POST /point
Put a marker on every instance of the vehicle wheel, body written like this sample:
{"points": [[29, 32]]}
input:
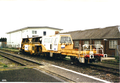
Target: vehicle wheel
{"points": [[45, 55], [86, 60], [21, 50], [73, 58], [97, 59], [31, 53], [40, 49], [62, 56], [55, 56]]}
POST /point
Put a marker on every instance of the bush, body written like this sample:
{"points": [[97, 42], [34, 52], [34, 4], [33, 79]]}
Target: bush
{"points": [[25, 67], [5, 66], [117, 58]]}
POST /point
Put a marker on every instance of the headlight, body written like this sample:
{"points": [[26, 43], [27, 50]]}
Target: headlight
{"points": [[91, 56]]}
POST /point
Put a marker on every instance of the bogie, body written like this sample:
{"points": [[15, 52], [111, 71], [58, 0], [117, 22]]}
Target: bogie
{"points": [[73, 58]]}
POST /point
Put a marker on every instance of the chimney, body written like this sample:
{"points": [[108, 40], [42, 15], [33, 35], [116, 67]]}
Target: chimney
{"points": [[56, 32]]}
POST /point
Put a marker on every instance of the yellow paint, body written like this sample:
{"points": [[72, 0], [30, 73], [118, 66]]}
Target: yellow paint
{"points": [[68, 50]]}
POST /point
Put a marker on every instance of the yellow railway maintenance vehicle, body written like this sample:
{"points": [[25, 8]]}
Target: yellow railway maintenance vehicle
{"points": [[60, 45]]}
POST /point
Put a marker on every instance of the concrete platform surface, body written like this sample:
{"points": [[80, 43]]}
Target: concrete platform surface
{"points": [[26, 75], [73, 75], [107, 58]]}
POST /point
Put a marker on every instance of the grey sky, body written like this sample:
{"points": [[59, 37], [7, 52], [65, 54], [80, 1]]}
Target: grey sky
{"points": [[69, 15]]}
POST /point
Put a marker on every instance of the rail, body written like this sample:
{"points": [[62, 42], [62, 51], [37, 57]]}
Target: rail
{"points": [[28, 62], [115, 71], [20, 60]]}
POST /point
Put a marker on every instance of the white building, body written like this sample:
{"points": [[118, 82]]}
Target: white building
{"points": [[14, 37]]}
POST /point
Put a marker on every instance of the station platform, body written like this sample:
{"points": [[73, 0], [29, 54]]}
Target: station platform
{"points": [[107, 58], [37, 75], [26, 75], [73, 75]]}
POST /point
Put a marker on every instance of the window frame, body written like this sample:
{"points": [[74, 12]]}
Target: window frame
{"points": [[96, 42], [65, 38], [113, 44], [76, 42], [44, 33], [87, 42], [34, 32]]}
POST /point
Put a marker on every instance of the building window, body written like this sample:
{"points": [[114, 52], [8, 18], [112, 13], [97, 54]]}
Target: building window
{"points": [[86, 42], [23, 31], [44, 33], [97, 42], [34, 32], [76, 43], [113, 44]]}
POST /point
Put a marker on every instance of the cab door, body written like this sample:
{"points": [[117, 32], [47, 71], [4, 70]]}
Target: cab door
{"points": [[48, 43], [55, 44]]}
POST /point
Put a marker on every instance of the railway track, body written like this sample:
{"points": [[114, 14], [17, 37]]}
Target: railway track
{"points": [[111, 70], [28, 62], [19, 60], [107, 69]]}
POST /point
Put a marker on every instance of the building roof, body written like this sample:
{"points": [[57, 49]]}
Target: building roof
{"points": [[33, 28], [98, 33]]}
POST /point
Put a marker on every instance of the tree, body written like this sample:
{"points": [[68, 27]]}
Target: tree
{"points": [[3, 39]]}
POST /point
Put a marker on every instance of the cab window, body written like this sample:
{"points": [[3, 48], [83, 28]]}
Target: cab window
{"points": [[65, 39]]}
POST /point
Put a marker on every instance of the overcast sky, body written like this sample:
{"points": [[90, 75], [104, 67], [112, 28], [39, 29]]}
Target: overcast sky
{"points": [[69, 15]]}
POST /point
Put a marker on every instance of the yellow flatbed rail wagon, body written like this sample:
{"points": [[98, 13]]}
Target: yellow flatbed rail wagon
{"points": [[60, 45]]}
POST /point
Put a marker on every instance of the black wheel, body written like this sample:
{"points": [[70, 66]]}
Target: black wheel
{"points": [[97, 59], [100, 59], [55, 56], [40, 49], [31, 53], [22, 51], [86, 61], [73, 58], [62, 56], [46, 55]]}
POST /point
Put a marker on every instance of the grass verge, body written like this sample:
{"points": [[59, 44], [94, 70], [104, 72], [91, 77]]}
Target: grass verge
{"points": [[10, 49]]}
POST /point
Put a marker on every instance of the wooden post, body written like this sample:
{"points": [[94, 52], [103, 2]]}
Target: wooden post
{"points": [[90, 47], [79, 49]]}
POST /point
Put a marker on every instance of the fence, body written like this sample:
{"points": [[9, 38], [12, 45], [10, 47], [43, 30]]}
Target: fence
{"points": [[117, 51], [0, 44], [3, 44], [13, 46]]}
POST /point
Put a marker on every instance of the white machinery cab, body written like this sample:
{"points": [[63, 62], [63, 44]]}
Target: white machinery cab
{"points": [[56, 41], [51, 42], [48, 42]]}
